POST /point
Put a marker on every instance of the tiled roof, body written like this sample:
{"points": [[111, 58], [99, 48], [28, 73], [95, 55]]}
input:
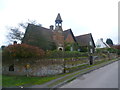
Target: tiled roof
{"points": [[39, 36], [67, 32], [43, 37], [84, 40]]}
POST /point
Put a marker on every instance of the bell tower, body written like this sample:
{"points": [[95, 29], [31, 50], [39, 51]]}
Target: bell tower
{"points": [[58, 33], [58, 21]]}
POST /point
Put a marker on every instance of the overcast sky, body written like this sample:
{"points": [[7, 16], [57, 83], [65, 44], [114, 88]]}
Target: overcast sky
{"points": [[99, 17]]}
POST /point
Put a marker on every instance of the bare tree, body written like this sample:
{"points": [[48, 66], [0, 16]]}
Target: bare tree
{"points": [[24, 25], [15, 33]]}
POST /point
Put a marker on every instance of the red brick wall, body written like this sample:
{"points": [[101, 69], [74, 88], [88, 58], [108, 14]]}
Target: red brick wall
{"points": [[58, 38], [69, 39]]}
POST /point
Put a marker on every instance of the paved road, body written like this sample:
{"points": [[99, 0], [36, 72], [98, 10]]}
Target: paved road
{"points": [[105, 77]]}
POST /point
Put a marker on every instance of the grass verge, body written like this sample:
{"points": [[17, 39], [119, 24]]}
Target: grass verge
{"points": [[9, 81], [75, 75]]}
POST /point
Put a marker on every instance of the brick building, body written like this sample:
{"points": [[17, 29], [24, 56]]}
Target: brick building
{"points": [[55, 38], [48, 39]]}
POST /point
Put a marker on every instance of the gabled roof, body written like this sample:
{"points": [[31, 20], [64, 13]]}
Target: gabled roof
{"points": [[106, 45], [101, 44], [67, 32], [38, 30], [38, 36], [84, 40]]}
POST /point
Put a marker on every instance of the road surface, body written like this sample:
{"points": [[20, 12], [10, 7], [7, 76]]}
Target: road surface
{"points": [[105, 77]]}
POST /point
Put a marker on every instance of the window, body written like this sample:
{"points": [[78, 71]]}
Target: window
{"points": [[60, 49], [11, 67]]}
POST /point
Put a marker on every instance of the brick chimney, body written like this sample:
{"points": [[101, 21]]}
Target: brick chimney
{"points": [[101, 39], [15, 42], [51, 27]]}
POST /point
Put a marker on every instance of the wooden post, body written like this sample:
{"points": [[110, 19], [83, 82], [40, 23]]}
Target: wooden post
{"points": [[64, 71]]}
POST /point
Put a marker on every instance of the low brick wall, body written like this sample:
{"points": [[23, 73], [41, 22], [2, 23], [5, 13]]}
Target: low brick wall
{"points": [[33, 71], [36, 71], [43, 67]]}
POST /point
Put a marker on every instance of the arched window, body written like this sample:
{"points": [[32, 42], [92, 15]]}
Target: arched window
{"points": [[60, 49], [11, 67]]}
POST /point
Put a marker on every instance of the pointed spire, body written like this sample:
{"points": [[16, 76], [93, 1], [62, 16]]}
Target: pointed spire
{"points": [[58, 19]]}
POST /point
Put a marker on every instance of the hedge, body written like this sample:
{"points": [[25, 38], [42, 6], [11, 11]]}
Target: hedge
{"points": [[65, 54]]}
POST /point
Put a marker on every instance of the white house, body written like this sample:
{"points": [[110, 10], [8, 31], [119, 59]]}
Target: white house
{"points": [[101, 44]]}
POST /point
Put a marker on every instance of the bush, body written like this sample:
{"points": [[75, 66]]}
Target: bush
{"points": [[106, 50], [112, 50], [22, 51], [83, 48], [118, 52], [54, 54], [117, 47], [64, 54], [102, 50]]}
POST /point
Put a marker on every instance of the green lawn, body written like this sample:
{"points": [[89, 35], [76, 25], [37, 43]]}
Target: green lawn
{"points": [[0, 80], [9, 81]]}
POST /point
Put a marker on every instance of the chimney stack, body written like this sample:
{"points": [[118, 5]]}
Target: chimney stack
{"points": [[51, 27], [101, 39], [15, 42]]}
